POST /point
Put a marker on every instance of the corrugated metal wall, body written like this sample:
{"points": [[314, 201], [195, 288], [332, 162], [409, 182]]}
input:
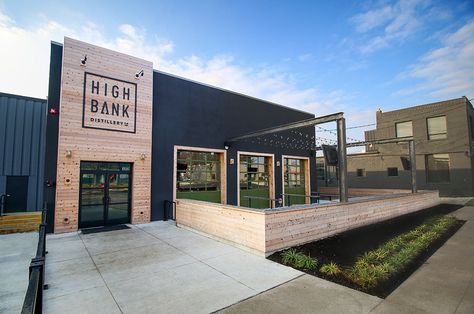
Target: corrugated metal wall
{"points": [[22, 143]]}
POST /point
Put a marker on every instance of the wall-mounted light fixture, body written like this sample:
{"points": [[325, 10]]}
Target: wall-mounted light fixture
{"points": [[226, 147], [137, 75], [84, 61], [68, 153], [142, 156], [278, 163], [231, 161]]}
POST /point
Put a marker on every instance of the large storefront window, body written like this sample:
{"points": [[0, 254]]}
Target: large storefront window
{"points": [[294, 181], [437, 168], [198, 176], [254, 181]]}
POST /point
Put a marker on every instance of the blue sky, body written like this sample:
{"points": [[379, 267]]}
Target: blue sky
{"points": [[318, 56]]}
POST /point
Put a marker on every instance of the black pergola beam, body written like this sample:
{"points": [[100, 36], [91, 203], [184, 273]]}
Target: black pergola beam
{"points": [[290, 126]]}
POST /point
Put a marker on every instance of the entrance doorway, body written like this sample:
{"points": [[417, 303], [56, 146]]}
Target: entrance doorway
{"points": [[105, 194]]}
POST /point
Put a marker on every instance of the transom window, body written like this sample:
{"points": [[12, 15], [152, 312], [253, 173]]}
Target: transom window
{"points": [[198, 176], [404, 129], [437, 128]]}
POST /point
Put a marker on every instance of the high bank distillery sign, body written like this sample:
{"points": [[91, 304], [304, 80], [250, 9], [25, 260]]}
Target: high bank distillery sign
{"points": [[109, 104]]}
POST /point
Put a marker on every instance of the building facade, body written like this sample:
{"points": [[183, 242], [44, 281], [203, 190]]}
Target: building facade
{"points": [[443, 134], [124, 141], [22, 145]]}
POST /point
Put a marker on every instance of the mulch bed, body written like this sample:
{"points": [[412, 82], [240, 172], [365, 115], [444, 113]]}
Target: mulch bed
{"points": [[345, 248]]}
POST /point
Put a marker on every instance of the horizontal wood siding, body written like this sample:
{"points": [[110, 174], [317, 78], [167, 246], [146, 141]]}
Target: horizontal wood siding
{"points": [[240, 226], [270, 231], [97, 144], [294, 227]]}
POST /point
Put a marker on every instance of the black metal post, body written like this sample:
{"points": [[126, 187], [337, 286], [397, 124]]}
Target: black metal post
{"points": [[342, 160], [411, 148]]}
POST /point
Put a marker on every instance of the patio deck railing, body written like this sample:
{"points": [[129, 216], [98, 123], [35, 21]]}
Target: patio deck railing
{"points": [[33, 302]]}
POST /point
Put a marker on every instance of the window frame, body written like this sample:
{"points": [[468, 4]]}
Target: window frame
{"points": [[428, 129], [388, 172], [223, 167], [305, 164], [271, 172], [363, 173], [401, 122], [427, 172]]}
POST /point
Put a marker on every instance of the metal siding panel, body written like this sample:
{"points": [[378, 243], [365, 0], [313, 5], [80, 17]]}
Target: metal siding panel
{"points": [[27, 137], [3, 131], [19, 133], [35, 140], [10, 136], [41, 156], [3, 184], [31, 199]]}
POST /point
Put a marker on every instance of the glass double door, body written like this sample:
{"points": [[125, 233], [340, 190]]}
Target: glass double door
{"points": [[105, 195]]}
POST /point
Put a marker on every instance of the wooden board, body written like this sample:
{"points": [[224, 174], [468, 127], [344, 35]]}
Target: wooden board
{"points": [[86, 144]]}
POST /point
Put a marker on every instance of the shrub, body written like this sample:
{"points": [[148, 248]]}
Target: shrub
{"points": [[330, 269], [299, 260]]}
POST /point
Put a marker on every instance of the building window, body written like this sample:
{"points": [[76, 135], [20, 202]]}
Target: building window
{"points": [[437, 168], [404, 129], [255, 178], [294, 181], [437, 128], [472, 126], [198, 176], [320, 169], [361, 173], [392, 172]]}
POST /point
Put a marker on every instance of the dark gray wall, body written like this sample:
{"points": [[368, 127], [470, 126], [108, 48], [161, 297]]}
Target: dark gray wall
{"points": [[22, 143], [186, 113]]}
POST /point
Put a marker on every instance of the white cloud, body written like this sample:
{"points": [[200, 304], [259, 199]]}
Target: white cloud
{"points": [[449, 70], [390, 23], [25, 66]]}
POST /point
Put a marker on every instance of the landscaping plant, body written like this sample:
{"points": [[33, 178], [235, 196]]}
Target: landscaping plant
{"points": [[331, 269], [393, 256], [298, 260]]}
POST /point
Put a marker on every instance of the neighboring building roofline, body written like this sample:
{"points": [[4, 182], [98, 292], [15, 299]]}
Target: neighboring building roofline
{"points": [[2, 94], [426, 105], [230, 91]]}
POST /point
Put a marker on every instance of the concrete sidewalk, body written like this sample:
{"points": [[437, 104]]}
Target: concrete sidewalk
{"points": [[152, 268], [16, 252], [444, 284]]}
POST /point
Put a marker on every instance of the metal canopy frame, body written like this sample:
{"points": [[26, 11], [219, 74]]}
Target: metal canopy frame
{"points": [[411, 152], [341, 143]]}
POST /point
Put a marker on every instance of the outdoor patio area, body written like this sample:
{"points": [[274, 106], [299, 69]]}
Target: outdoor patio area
{"points": [[152, 268]]}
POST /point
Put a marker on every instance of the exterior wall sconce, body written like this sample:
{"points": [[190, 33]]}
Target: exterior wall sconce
{"points": [[226, 147], [84, 61], [68, 154], [231, 161], [278, 163], [142, 156], [137, 75]]}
